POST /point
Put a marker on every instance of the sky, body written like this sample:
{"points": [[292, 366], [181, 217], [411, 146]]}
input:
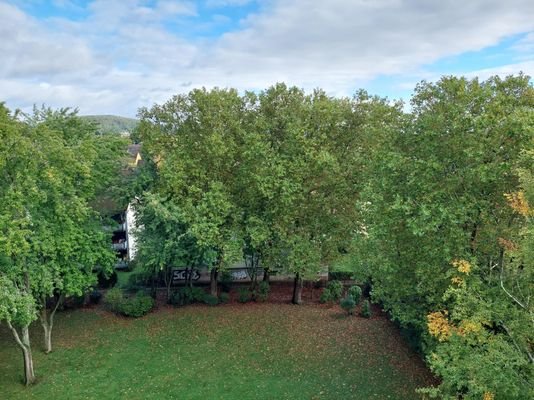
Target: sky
{"points": [[113, 57]]}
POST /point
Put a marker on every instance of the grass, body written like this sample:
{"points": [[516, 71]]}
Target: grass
{"points": [[252, 351]]}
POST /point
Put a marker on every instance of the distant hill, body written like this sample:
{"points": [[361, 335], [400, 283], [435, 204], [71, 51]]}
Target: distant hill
{"points": [[113, 123]]}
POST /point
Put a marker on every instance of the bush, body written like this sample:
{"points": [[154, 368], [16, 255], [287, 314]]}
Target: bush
{"points": [[197, 294], [244, 295], [107, 281], [366, 309], [325, 296], [72, 302], [226, 281], [187, 295], [137, 306], [211, 300], [348, 304], [336, 289], [263, 290], [114, 299], [178, 298], [224, 297], [137, 280], [95, 296], [355, 292], [332, 292]]}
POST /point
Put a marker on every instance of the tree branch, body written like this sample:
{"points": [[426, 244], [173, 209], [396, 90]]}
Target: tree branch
{"points": [[16, 334]]}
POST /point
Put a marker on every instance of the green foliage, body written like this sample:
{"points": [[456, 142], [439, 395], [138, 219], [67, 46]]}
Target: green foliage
{"points": [[366, 309], [187, 295], [262, 292], [340, 275], [193, 139], [137, 281], [165, 242], [137, 306], [224, 297], [53, 167], [332, 292], [17, 307], [210, 299], [95, 296], [355, 292], [443, 182], [244, 295], [179, 298], [226, 281], [325, 296], [131, 306], [197, 293], [114, 299], [348, 304]]}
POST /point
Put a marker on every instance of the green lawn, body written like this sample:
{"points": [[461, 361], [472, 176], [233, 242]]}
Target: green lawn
{"points": [[252, 351]]}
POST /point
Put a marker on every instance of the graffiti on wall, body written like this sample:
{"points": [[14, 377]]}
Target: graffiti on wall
{"points": [[181, 275], [243, 274], [239, 275]]}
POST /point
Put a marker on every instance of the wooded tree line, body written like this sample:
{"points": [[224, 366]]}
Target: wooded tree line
{"points": [[431, 206], [430, 203]]}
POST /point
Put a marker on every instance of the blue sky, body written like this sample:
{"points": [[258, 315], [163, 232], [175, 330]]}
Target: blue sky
{"points": [[112, 57]]}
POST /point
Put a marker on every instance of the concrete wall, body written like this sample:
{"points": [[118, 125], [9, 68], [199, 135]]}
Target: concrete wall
{"points": [[131, 227]]}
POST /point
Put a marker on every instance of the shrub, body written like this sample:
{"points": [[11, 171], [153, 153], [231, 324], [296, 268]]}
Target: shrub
{"points": [[197, 294], [95, 296], [348, 304], [226, 281], [137, 280], [178, 298], [366, 309], [114, 299], [211, 300], [263, 290], [224, 297], [244, 295], [187, 295], [72, 302], [107, 281], [336, 289], [355, 292], [137, 306], [325, 296], [332, 292]]}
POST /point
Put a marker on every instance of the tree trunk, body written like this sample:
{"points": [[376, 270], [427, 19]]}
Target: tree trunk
{"points": [[29, 374], [48, 339], [214, 274], [266, 276], [297, 290], [189, 277], [168, 283], [153, 286], [24, 344], [47, 321]]}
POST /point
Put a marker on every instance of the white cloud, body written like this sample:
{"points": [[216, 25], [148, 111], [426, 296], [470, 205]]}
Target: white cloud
{"points": [[29, 51], [227, 3], [503, 71], [122, 56]]}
